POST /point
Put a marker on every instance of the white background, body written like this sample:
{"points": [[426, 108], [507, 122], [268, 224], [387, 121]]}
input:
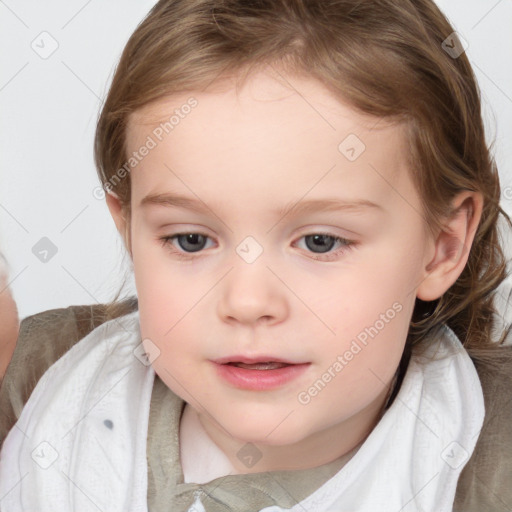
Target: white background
{"points": [[49, 109]]}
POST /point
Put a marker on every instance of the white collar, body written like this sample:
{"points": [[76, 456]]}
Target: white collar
{"points": [[412, 459]]}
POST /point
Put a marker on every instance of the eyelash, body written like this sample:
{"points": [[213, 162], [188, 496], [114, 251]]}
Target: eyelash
{"points": [[330, 256]]}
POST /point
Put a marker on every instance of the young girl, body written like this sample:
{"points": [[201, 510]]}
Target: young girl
{"points": [[330, 343]]}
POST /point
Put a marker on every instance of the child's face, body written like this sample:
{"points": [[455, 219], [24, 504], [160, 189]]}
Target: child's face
{"points": [[259, 285]]}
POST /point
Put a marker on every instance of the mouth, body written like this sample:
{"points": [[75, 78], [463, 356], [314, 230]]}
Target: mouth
{"points": [[268, 365], [258, 373], [260, 359]]}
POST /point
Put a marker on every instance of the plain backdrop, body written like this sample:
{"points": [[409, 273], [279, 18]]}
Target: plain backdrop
{"points": [[57, 62]]}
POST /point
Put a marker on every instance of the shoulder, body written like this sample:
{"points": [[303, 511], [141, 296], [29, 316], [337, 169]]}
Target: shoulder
{"points": [[484, 483], [43, 339]]}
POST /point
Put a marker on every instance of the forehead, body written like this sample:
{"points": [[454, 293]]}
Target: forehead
{"points": [[291, 132], [267, 92]]}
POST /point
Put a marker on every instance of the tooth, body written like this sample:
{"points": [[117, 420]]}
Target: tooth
{"points": [[261, 366]]}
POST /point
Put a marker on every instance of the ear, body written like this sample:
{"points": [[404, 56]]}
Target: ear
{"points": [[121, 219], [452, 246]]}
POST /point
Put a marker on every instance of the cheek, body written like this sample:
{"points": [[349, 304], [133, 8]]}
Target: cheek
{"points": [[166, 304], [356, 367], [375, 296], [169, 305], [162, 293], [371, 322]]}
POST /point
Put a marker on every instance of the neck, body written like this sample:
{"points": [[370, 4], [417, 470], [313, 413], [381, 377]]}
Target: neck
{"points": [[315, 450]]}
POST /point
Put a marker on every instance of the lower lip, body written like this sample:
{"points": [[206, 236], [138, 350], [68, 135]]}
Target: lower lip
{"points": [[259, 380]]}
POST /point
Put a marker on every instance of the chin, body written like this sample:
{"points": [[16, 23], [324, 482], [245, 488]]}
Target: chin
{"points": [[265, 433]]}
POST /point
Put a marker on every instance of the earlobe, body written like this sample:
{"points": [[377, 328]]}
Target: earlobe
{"points": [[452, 246]]}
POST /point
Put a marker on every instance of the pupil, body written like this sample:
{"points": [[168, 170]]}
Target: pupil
{"points": [[193, 239], [318, 239]]}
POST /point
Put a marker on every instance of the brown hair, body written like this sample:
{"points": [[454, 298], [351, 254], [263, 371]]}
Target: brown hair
{"points": [[385, 58]]}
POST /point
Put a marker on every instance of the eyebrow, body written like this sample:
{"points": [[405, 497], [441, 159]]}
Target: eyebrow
{"points": [[298, 207]]}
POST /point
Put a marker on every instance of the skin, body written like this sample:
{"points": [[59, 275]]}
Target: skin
{"points": [[245, 155], [9, 326]]}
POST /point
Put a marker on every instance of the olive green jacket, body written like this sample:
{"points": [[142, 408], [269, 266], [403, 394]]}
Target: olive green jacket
{"points": [[484, 484]]}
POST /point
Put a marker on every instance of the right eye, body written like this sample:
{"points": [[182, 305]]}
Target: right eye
{"points": [[188, 242]]}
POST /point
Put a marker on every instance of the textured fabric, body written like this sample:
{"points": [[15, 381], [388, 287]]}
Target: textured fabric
{"points": [[80, 441], [229, 493], [98, 421], [483, 484], [42, 340], [87, 421]]}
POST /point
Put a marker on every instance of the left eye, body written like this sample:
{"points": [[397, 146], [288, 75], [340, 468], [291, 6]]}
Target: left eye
{"points": [[324, 242], [190, 243]]}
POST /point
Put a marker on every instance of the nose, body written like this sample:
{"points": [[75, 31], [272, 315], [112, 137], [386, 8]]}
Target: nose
{"points": [[252, 294]]}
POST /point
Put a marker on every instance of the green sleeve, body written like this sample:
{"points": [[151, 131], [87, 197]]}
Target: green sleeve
{"points": [[42, 340], [484, 484]]}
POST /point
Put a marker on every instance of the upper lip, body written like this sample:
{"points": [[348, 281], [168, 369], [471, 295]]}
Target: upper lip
{"points": [[252, 360]]}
